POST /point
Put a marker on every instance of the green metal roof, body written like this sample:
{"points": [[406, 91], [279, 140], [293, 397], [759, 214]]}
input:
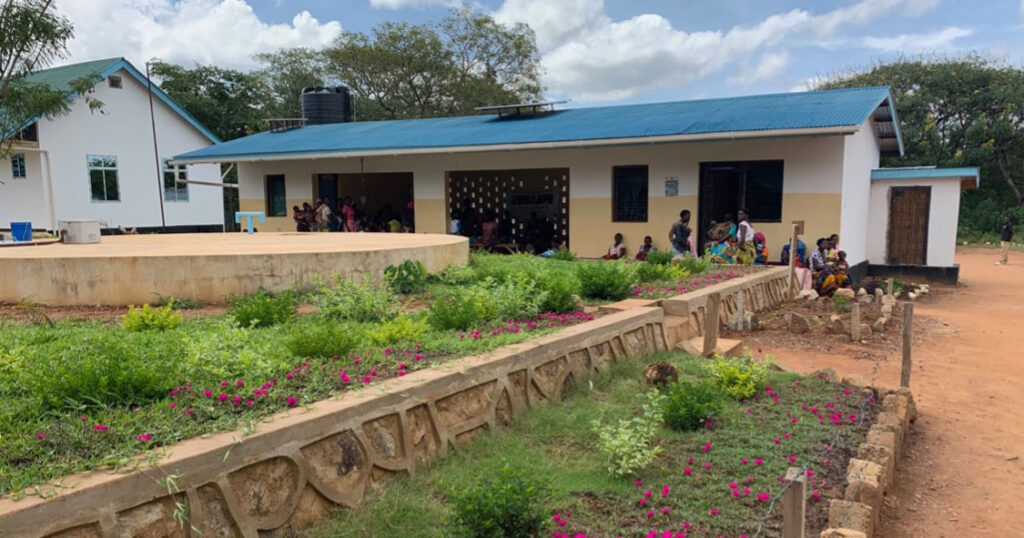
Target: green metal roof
{"points": [[60, 78], [786, 114]]}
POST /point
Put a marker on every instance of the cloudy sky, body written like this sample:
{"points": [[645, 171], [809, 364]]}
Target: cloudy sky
{"points": [[594, 51]]}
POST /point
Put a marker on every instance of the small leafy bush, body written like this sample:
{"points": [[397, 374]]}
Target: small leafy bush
{"points": [[262, 309], [348, 300], [841, 303], [627, 445], [461, 308], [508, 504], [149, 318], [564, 255], [407, 277], [225, 350], [181, 303], [321, 339], [659, 257], [688, 406], [739, 378], [456, 275], [694, 265], [398, 330], [458, 309], [608, 280], [562, 291]]}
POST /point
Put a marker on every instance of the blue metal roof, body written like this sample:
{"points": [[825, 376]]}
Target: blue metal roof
{"points": [[60, 78], [925, 172], [769, 114]]}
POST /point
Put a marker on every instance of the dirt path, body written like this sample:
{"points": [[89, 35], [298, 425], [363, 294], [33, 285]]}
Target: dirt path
{"points": [[963, 472]]}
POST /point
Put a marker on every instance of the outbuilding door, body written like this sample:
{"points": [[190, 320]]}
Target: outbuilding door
{"points": [[908, 225]]}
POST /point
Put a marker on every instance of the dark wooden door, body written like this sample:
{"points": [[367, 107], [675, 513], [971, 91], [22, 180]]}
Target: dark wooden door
{"points": [[721, 192], [908, 225]]}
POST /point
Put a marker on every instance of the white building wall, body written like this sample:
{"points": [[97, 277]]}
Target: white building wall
{"points": [[22, 199], [860, 157], [943, 215], [812, 183], [123, 129]]}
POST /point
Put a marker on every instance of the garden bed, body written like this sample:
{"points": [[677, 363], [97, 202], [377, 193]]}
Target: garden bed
{"points": [[721, 480]]}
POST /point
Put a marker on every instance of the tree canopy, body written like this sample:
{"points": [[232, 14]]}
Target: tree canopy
{"points": [[31, 37], [966, 111]]}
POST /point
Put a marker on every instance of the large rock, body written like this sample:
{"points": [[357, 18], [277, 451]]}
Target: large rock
{"points": [[809, 295], [886, 310], [798, 323], [888, 300], [879, 324], [862, 292], [851, 515], [845, 292], [836, 324], [659, 374], [842, 533]]}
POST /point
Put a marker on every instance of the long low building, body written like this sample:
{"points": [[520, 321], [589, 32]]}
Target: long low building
{"points": [[585, 174]]}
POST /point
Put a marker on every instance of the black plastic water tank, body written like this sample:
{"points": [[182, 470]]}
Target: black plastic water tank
{"points": [[321, 105]]}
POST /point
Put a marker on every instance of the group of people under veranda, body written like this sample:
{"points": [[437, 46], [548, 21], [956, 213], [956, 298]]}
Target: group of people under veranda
{"points": [[321, 217], [737, 242]]}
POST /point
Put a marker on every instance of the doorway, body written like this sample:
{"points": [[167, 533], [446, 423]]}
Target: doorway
{"points": [[721, 193], [909, 212], [327, 187]]}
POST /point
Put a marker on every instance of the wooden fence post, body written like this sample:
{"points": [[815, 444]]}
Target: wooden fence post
{"points": [[794, 289], [908, 336], [711, 324], [794, 504], [855, 321]]}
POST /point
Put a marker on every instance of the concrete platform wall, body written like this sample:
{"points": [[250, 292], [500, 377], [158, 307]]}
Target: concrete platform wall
{"points": [[757, 292]]}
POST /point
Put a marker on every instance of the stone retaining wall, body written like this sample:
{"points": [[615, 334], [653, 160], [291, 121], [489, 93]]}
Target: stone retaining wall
{"points": [[302, 464], [871, 473], [761, 290]]}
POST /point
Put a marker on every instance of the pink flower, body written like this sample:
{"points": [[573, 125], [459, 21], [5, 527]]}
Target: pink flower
{"points": [[743, 461], [40, 436], [787, 436], [690, 460], [99, 428], [763, 496], [291, 401], [224, 383], [288, 376], [190, 412], [735, 493], [236, 400], [345, 378], [239, 383], [401, 366], [208, 393], [144, 437], [746, 491], [792, 459], [733, 485], [642, 502], [650, 514], [401, 373], [222, 396], [373, 373], [706, 447], [707, 465], [816, 495], [688, 471], [172, 405], [810, 472], [758, 461], [367, 379], [777, 441], [638, 483], [665, 510], [647, 494], [556, 517], [713, 512], [664, 491], [750, 480], [249, 403], [418, 357], [357, 361]]}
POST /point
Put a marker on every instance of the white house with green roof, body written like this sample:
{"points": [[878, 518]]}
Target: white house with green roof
{"points": [[110, 164]]}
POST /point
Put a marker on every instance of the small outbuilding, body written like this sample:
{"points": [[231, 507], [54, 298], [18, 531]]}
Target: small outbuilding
{"points": [[913, 221]]}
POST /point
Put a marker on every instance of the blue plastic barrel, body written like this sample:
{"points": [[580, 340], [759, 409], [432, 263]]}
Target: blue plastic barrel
{"points": [[21, 231]]}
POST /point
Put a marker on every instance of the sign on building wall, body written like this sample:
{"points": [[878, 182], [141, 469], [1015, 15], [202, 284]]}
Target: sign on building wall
{"points": [[671, 186]]}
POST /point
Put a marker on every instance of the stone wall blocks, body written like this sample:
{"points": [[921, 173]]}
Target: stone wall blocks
{"points": [[851, 515]]}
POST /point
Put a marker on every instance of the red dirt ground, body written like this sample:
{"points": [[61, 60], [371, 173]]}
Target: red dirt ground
{"points": [[963, 472]]}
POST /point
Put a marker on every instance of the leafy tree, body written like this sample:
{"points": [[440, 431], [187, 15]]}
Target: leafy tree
{"points": [[287, 72], [31, 37], [228, 102], [464, 61], [966, 111]]}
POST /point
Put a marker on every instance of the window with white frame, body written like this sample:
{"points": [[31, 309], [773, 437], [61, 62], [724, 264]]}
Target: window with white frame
{"points": [[175, 188], [18, 166], [103, 178]]}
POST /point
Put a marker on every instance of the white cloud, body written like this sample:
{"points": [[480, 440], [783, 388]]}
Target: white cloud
{"points": [[588, 56], [1021, 10], [401, 4], [928, 42], [768, 66], [222, 32]]}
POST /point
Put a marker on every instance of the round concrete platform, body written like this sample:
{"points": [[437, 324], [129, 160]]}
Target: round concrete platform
{"points": [[136, 269]]}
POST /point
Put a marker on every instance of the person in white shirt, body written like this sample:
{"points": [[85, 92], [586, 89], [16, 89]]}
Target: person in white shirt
{"points": [[744, 231]]}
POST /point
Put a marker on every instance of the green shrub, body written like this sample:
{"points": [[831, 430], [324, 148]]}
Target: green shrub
{"points": [[627, 445], [224, 350], [180, 303], [456, 275], [348, 300], [659, 257], [461, 308], [688, 406], [606, 280], [458, 309], [507, 505], [562, 291], [398, 330], [321, 339], [148, 318], [841, 303], [407, 277], [739, 378], [262, 309], [694, 265], [100, 368], [564, 255]]}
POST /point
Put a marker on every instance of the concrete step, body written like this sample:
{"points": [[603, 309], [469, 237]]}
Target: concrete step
{"points": [[726, 347], [677, 329]]}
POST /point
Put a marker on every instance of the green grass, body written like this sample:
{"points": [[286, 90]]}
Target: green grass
{"points": [[556, 444]]}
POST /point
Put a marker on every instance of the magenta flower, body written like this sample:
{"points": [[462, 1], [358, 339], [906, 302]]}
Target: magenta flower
{"points": [[688, 471], [172, 405], [291, 401], [224, 383], [401, 373], [777, 441], [647, 494], [373, 373], [706, 447], [713, 512], [763, 496], [665, 510], [249, 403], [707, 465], [144, 437], [100, 428], [733, 485], [810, 472], [402, 366], [758, 461], [208, 393], [746, 491], [236, 400], [816, 495], [750, 479], [650, 514], [345, 378], [792, 459], [367, 379], [638, 483], [40, 436], [418, 357], [189, 412], [222, 396], [743, 461], [642, 502], [357, 361]]}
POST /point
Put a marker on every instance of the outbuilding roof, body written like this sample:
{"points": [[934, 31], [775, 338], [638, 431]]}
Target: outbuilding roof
{"points": [[60, 78], [969, 177], [840, 111]]}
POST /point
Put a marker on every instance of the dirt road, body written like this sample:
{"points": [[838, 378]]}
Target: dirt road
{"points": [[963, 472]]}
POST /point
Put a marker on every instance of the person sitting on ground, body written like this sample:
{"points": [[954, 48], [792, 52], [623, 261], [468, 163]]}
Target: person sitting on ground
{"points": [[833, 247], [646, 248], [720, 232], [556, 246], [617, 249], [681, 236], [841, 262], [744, 231], [760, 249], [817, 261]]}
